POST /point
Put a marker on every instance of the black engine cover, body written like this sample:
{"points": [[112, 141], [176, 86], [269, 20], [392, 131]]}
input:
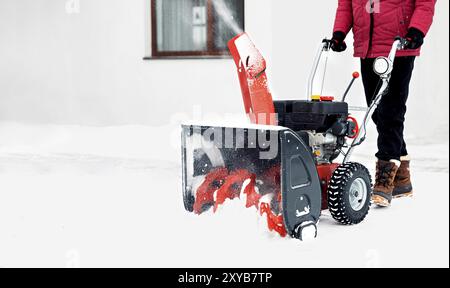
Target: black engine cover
{"points": [[300, 115]]}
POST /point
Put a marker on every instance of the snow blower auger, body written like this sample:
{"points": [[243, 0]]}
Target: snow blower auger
{"points": [[282, 165]]}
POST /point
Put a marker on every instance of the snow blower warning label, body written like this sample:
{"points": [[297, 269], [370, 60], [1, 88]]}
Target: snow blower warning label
{"points": [[223, 279]]}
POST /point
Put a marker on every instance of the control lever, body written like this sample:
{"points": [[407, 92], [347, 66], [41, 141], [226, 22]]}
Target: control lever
{"points": [[355, 76]]}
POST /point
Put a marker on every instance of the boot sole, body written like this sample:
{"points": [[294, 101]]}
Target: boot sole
{"points": [[380, 201], [404, 195]]}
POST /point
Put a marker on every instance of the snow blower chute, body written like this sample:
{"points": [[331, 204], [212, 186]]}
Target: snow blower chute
{"points": [[282, 162]]}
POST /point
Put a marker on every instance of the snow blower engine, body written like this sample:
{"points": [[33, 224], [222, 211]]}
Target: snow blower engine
{"points": [[282, 162]]}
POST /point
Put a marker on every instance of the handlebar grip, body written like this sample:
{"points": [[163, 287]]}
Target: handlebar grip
{"points": [[404, 42]]}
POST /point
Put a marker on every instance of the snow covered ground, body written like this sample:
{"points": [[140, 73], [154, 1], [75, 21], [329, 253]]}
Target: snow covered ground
{"points": [[111, 196]]}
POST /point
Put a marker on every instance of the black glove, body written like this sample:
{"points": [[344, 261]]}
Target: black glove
{"points": [[415, 38], [338, 44]]}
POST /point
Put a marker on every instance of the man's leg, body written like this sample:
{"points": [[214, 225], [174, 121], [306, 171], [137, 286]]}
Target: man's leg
{"points": [[370, 80], [402, 182], [404, 151], [392, 109], [389, 118]]}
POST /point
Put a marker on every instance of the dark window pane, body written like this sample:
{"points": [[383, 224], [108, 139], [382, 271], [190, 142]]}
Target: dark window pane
{"points": [[195, 27], [229, 21], [181, 25]]}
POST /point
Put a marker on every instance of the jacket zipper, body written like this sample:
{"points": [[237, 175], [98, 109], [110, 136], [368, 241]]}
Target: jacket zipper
{"points": [[372, 8]]}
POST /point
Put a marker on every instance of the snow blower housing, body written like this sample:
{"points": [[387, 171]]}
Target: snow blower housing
{"points": [[282, 163], [218, 170]]}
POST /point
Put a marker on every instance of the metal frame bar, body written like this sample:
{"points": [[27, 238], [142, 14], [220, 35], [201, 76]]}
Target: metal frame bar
{"points": [[385, 78]]}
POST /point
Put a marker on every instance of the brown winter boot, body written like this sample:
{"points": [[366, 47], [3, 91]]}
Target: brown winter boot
{"points": [[402, 182], [384, 182]]}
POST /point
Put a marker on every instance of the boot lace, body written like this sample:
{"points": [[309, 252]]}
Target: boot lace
{"points": [[384, 176]]}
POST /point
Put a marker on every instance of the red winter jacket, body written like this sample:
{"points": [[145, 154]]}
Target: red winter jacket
{"points": [[375, 33]]}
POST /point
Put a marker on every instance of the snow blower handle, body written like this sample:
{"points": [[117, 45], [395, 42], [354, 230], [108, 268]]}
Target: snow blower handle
{"points": [[382, 66], [324, 47], [400, 43], [403, 43], [327, 43]]}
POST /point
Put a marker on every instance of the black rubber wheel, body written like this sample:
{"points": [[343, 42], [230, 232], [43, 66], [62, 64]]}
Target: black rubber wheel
{"points": [[349, 193]]}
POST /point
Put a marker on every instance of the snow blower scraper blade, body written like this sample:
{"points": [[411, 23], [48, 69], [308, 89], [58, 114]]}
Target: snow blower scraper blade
{"points": [[268, 165]]}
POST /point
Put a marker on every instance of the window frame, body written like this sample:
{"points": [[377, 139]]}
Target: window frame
{"points": [[211, 52]]}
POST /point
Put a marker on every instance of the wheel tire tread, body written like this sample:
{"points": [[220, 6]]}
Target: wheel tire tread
{"points": [[336, 192]]}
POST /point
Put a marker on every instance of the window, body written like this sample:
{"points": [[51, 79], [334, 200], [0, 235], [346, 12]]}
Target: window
{"points": [[194, 28]]}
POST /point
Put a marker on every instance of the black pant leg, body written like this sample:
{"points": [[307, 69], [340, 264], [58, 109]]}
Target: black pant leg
{"points": [[389, 117], [404, 151], [370, 79]]}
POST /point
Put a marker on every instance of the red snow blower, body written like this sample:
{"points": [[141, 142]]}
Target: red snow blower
{"points": [[283, 162]]}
